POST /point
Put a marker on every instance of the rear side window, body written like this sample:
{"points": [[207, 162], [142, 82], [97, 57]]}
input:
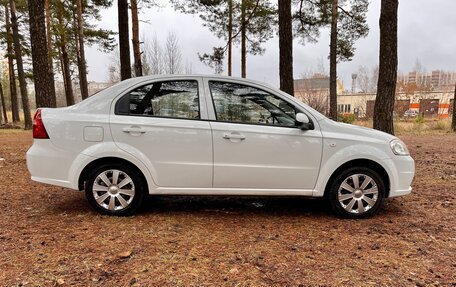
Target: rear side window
{"points": [[173, 99]]}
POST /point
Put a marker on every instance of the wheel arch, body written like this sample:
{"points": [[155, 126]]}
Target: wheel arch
{"points": [[109, 160], [362, 162]]}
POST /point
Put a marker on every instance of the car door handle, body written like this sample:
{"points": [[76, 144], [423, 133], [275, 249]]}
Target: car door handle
{"points": [[133, 130], [234, 136]]}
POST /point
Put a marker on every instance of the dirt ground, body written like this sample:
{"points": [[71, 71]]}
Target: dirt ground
{"points": [[49, 236]]}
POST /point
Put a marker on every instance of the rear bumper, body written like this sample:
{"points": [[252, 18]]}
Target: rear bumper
{"points": [[49, 164]]}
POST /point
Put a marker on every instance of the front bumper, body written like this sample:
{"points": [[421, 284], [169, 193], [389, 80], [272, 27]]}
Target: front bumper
{"points": [[401, 171]]}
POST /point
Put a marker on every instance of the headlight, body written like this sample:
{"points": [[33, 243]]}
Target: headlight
{"points": [[398, 147]]}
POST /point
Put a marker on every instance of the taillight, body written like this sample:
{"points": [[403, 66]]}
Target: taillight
{"points": [[39, 131]]}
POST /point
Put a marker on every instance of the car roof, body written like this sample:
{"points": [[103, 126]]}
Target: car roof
{"points": [[183, 76]]}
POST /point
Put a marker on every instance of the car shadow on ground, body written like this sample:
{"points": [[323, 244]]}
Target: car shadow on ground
{"points": [[199, 205], [236, 204]]}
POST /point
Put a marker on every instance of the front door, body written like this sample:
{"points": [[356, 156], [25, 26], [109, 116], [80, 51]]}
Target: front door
{"points": [[257, 144], [160, 122]]}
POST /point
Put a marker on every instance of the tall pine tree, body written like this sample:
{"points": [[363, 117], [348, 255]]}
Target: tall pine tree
{"points": [[387, 73], [43, 79]]}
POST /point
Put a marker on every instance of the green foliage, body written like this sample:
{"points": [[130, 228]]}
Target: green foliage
{"points": [[24, 37], [214, 60], [420, 119], [308, 17], [312, 15], [260, 19], [101, 37], [64, 27], [348, 119], [352, 25]]}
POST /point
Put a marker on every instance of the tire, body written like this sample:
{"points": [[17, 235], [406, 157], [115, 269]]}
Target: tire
{"points": [[115, 189], [349, 197]]}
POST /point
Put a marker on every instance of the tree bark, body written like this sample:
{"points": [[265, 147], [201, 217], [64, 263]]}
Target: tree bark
{"points": [[65, 64], [285, 47], [44, 81], [333, 63], [230, 35], [47, 12], [387, 77], [12, 75], [453, 120], [20, 67], [67, 74], [243, 40], [3, 111], [82, 68], [135, 40], [124, 42]]}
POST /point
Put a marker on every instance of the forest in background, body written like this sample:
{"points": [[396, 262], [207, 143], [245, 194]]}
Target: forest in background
{"points": [[48, 38]]}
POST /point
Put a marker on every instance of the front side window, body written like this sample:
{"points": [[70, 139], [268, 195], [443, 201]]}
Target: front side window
{"points": [[174, 99], [243, 104]]}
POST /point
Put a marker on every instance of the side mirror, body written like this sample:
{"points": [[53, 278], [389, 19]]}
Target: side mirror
{"points": [[302, 118], [304, 121]]}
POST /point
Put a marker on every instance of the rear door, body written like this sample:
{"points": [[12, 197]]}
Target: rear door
{"points": [[162, 123], [257, 144]]}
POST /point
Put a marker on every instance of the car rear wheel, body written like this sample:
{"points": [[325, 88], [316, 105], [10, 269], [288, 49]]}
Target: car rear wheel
{"points": [[356, 193], [115, 189]]}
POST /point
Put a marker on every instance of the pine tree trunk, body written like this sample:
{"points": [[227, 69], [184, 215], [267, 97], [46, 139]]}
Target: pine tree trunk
{"points": [[67, 74], [230, 35], [3, 111], [387, 74], [82, 68], [44, 81], [59, 51], [286, 47], [453, 120], [124, 42], [243, 40], [20, 67], [65, 64], [76, 46], [135, 40], [333, 63], [47, 12], [12, 75]]}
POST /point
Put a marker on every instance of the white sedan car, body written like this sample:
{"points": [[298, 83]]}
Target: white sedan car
{"points": [[210, 135]]}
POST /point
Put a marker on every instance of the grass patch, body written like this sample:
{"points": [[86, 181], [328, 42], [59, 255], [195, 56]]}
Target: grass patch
{"points": [[416, 126], [12, 131]]}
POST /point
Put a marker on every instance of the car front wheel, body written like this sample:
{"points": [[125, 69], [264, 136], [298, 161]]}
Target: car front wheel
{"points": [[356, 193], [115, 189]]}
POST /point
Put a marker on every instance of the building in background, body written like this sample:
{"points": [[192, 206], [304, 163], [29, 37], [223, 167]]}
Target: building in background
{"points": [[427, 94], [315, 91], [436, 80], [428, 104]]}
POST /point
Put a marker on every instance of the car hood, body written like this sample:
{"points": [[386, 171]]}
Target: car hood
{"points": [[332, 129]]}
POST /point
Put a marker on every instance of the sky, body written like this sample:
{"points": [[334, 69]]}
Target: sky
{"points": [[426, 34]]}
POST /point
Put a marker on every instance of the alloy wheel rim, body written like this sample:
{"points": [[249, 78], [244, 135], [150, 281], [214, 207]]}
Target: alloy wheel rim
{"points": [[357, 193], [113, 190]]}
